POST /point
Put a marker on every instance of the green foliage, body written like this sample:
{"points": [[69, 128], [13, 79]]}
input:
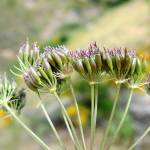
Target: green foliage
{"points": [[105, 105], [111, 3], [63, 34], [105, 101], [127, 129], [9, 3]]}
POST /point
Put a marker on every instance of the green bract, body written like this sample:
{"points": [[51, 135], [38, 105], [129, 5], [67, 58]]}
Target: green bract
{"points": [[10, 96]]}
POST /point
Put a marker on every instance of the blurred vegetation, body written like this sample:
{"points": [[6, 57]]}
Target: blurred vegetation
{"points": [[76, 23], [105, 103]]}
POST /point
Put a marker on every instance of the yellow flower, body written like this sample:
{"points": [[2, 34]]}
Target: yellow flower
{"points": [[5, 119], [84, 114], [145, 55]]}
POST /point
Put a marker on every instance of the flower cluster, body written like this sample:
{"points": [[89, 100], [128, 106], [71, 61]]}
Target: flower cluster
{"points": [[10, 96], [120, 63], [44, 70], [58, 59], [88, 62], [125, 65], [50, 69], [28, 56], [40, 77]]}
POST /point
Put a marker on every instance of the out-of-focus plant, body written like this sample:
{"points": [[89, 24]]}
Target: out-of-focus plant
{"points": [[12, 102], [48, 70], [63, 34], [111, 2], [147, 87]]}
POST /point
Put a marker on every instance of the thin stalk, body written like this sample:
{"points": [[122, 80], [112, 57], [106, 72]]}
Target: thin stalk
{"points": [[45, 146], [95, 108], [52, 125], [111, 118], [124, 116], [140, 139], [68, 127], [69, 130], [92, 116], [69, 121], [78, 115]]}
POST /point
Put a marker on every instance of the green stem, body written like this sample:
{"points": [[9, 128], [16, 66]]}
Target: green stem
{"points": [[123, 117], [78, 115], [140, 139], [45, 146], [77, 143], [52, 125], [111, 118], [92, 115], [69, 129], [95, 108]]}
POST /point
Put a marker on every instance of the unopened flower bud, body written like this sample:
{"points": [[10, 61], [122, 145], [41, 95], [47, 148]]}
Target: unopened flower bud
{"points": [[138, 67], [87, 66], [57, 60], [47, 68], [98, 61], [44, 76], [93, 65], [36, 50], [25, 51], [30, 83], [34, 75], [127, 64], [50, 60], [133, 66], [118, 64], [109, 61], [78, 66]]}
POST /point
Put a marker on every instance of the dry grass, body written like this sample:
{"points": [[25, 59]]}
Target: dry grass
{"points": [[127, 25]]}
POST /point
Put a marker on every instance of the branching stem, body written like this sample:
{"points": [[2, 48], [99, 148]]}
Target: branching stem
{"points": [[71, 127], [123, 117], [140, 139], [78, 114], [102, 147], [45, 146], [51, 124], [94, 101]]}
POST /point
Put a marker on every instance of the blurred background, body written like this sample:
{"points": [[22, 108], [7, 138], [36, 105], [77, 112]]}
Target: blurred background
{"points": [[75, 23]]}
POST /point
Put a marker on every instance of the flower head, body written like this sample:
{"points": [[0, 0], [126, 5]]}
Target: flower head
{"points": [[57, 58], [119, 62], [10, 96], [124, 65], [40, 77], [28, 56], [88, 62], [17, 102]]}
